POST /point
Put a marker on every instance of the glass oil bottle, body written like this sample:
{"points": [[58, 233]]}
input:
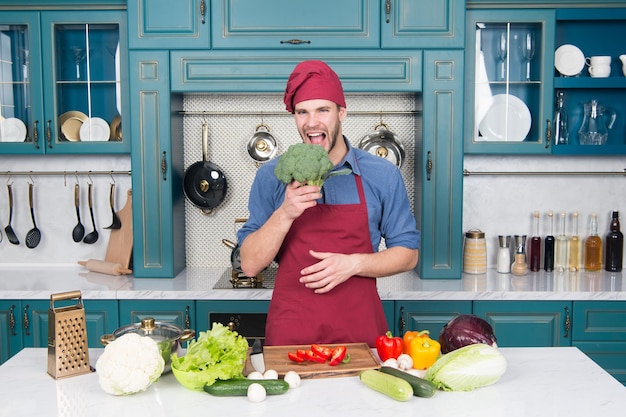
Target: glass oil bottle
{"points": [[548, 246], [561, 246], [561, 136], [574, 245], [535, 245], [614, 245], [593, 246]]}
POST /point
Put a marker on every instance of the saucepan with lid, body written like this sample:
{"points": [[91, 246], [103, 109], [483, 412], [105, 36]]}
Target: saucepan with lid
{"points": [[383, 143], [262, 145]]}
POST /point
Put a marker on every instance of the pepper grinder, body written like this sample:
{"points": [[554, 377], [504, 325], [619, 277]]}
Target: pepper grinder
{"points": [[504, 255], [520, 267]]}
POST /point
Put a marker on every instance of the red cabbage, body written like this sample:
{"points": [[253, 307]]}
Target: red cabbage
{"points": [[466, 329]]}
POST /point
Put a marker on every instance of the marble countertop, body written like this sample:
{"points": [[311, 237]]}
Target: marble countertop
{"points": [[538, 382], [39, 282]]}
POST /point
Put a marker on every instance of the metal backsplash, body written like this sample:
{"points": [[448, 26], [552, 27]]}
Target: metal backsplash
{"points": [[230, 131]]}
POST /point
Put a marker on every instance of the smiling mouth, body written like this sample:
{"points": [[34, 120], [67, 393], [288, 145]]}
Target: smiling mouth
{"points": [[316, 138]]}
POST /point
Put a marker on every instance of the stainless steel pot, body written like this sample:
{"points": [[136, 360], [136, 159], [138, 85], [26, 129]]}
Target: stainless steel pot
{"points": [[262, 144], [168, 336], [385, 144]]}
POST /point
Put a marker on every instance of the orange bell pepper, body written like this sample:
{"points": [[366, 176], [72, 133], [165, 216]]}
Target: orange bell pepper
{"points": [[409, 335], [423, 350]]}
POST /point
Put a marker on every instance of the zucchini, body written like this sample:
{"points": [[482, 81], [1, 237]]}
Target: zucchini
{"points": [[392, 386], [239, 387], [421, 387]]}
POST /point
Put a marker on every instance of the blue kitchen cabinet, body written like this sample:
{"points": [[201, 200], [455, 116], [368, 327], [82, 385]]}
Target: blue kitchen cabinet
{"points": [[179, 312], [62, 75], [441, 165], [528, 323], [157, 160], [428, 315], [422, 24], [290, 25], [164, 24], [599, 330]]}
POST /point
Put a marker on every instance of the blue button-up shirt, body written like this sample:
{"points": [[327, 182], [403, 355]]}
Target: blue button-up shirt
{"points": [[388, 206]]}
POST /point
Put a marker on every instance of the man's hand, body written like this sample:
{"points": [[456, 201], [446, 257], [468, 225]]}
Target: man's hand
{"points": [[299, 198], [330, 271]]}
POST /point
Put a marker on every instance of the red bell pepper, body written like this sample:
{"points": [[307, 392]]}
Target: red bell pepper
{"points": [[295, 357], [314, 357], [323, 351], [388, 346], [338, 356]]}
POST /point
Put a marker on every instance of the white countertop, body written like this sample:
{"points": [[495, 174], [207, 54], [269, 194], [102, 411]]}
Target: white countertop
{"points": [[39, 282], [541, 382]]}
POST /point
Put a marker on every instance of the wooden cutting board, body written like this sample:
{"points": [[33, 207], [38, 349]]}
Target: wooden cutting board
{"points": [[361, 358], [120, 246]]}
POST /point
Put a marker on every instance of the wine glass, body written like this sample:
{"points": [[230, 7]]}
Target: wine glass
{"points": [[79, 55], [528, 51], [502, 54]]}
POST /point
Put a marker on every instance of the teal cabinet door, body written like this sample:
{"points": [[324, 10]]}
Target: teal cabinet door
{"points": [[528, 323], [10, 329], [286, 24], [422, 24], [442, 165], [428, 315], [164, 24], [179, 312], [157, 160]]}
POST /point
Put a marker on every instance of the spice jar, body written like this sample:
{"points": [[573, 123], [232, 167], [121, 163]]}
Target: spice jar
{"points": [[475, 252]]}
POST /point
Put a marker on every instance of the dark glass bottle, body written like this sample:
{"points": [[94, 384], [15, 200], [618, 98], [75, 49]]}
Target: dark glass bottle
{"points": [[548, 253], [614, 245], [535, 245]]}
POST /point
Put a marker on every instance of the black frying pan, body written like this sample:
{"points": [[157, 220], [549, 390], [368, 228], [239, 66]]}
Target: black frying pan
{"points": [[204, 183]]}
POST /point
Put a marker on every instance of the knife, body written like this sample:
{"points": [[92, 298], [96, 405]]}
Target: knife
{"points": [[256, 357]]}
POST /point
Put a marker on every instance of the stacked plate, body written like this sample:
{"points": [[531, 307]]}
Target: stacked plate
{"points": [[78, 127], [569, 60], [70, 123], [12, 130], [95, 129]]}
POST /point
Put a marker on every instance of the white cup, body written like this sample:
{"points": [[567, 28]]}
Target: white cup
{"points": [[598, 60], [600, 71]]}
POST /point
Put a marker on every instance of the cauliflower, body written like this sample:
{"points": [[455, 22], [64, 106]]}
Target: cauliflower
{"points": [[129, 364], [305, 163]]}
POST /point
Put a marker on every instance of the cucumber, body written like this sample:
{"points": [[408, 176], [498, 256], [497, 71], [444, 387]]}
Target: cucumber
{"points": [[239, 387], [392, 386], [421, 387]]}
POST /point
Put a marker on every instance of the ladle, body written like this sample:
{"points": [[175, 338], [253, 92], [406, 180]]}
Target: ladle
{"points": [[93, 236], [9, 229], [79, 229], [33, 237], [116, 223]]}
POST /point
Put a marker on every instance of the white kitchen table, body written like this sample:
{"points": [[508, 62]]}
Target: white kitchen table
{"points": [[538, 382]]}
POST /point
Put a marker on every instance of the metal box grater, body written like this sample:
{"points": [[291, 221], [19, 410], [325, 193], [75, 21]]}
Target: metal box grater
{"points": [[68, 353]]}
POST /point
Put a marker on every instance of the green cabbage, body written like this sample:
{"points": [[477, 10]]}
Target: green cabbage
{"points": [[216, 354], [467, 368]]}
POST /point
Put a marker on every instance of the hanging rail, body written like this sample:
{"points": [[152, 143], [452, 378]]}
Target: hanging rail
{"points": [[467, 173], [285, 113], [64, 173]]}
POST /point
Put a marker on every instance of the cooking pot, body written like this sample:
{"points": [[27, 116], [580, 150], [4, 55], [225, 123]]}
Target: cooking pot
{"points": [[204, 183], [384, 143], [235, 257], [262, 145], [168, 336]]}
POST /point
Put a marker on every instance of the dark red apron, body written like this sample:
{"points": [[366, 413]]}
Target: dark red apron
{"points": [[350, 312]]}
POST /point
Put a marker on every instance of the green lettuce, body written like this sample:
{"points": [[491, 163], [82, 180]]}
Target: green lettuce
{"points": [[467, 368], [215, 354]]}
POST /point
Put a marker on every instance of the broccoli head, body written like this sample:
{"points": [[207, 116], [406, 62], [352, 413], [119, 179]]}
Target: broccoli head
{"points": [[305, 163]]}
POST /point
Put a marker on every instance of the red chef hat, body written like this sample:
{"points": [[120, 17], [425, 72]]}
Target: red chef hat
{"points": [[313, 80]]}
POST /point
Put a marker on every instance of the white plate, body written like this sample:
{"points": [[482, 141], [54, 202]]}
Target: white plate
{"points": [[95, 129], [12, 130], [569, 60], [508, 120]]}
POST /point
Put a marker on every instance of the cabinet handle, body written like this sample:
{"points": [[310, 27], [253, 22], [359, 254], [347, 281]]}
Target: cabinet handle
{"points": [[429, 166], [26, 321], [548, 133], [12, 320], [401, 321], [203, 11], [36, 134], [387, 10], [187, 319], [568, 323], [164, 166], [49, 133], [295, 41]]}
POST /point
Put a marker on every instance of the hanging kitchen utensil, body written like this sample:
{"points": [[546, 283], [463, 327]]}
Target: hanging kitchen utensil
{"points": [[204, 183], [262, 144], [93, 236], [116, 222], [384, 143], [33, 237], [9, 229], [79, 230]]}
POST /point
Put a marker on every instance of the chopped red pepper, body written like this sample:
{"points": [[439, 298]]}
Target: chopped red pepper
{"points": [[301, 353], [313, 357], [323, 351], [388, 346], [295, 357], [339, 354]]}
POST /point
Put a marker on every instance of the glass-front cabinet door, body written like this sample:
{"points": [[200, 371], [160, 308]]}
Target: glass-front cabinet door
{"points": [[508, 89], [61, 80]]}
